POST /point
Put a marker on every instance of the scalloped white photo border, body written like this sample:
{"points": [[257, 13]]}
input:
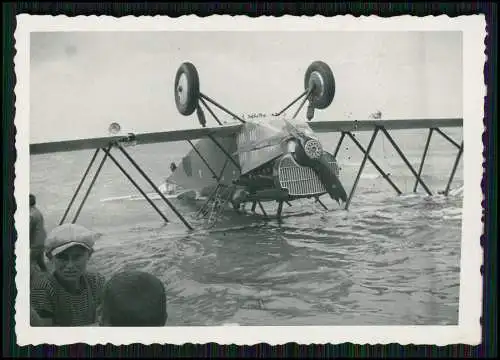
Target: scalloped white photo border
{"points": [[468, 330]]}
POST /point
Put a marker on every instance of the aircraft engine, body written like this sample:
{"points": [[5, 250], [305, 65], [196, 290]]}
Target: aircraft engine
{"points": [[313, 149], [309, 152]]}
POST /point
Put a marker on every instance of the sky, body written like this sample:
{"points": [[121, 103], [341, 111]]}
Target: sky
{"points": [[80, 82]]}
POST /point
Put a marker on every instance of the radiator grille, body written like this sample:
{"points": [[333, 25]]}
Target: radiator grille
{"points": [[300, 180]]}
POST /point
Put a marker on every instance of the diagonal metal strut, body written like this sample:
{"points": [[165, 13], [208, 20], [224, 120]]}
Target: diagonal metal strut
{"points": [[339, 144], [153, 185], [90, 186], [375, 132], [379, 169], [210, 111], [453, 171], [143, 193], [203, 159], [398, 150], [293, 102], [78, 188], [225, 152], [309, 91], [203, 96], [423, 158], [447, 137]]}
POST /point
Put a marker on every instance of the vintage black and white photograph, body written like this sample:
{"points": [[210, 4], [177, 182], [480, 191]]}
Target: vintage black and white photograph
{"points": [[249, 180]]}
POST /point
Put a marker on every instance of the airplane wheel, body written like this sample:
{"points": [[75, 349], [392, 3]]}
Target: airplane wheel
{"points": [[187, 89], [319, 75]]}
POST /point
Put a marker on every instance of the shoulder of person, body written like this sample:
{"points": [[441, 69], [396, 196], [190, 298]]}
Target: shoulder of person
{"points": [[42, 281], [36, 273], [36, 213]]}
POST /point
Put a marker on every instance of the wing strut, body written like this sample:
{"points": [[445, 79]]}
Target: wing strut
{"points": [[79, 185], [418, 175], [372, 140], [427, 142], [91, 186], [452, 175], [398, 150], [154, 187], [225, 152], [203, 159], [107, 153], [136, 185], [457, 159], [379, 169]]}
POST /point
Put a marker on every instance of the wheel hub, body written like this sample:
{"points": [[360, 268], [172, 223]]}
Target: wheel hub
{"points": [[183, 84], [317, 84]]}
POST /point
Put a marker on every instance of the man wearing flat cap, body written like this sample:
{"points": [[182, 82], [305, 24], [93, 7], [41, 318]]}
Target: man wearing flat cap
{"points": [[70, 296]]}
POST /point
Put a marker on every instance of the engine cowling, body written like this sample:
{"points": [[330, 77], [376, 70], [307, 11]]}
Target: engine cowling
{"points": [[308, 152]]}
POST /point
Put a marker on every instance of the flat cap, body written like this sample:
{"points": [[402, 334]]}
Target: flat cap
{"points": [[67, 235]]}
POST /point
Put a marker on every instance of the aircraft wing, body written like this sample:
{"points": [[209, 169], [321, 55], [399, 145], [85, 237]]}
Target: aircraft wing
{"points": [[141, 138], [368, 125]]}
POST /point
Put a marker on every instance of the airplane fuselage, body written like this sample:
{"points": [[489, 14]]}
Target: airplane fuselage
{"points": [[270, 173]]}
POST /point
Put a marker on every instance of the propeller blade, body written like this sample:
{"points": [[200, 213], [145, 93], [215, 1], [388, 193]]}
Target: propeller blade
{"points": [[329, 180]]}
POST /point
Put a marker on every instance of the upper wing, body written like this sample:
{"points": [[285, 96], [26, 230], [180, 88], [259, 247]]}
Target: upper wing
{"points": [[144, 138], [367, 125]]}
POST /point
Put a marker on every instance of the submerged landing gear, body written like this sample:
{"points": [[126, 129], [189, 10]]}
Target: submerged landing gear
{"points": [[280, 209]]}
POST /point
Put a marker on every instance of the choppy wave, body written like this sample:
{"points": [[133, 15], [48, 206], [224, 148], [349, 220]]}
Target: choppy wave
{"points": [[390, 262]]}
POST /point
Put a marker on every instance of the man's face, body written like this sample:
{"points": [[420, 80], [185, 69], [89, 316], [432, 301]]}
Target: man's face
{"points": [[71, 263]]}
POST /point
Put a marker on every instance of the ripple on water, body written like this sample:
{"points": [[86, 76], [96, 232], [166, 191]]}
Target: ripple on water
{"points": [[389, 260]]}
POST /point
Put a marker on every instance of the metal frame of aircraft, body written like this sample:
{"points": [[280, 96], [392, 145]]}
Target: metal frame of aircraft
{"points": [[258, 159]]}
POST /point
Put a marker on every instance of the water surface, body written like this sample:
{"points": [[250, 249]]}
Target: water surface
{"points": [[388, 260]]}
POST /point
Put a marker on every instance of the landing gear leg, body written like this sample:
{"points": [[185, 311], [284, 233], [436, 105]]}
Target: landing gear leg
{"points": [[321, 203], [262, 209], [280, 209]]}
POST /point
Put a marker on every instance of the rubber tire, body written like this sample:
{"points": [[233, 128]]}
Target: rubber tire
{"points": [[193, 90], [325, 99]]}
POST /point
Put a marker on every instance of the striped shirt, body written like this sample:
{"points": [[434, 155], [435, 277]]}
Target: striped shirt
{"points": [[80, 308]]}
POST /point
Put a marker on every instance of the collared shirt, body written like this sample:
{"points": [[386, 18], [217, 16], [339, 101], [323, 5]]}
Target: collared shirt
{"points": [[51, 300]]}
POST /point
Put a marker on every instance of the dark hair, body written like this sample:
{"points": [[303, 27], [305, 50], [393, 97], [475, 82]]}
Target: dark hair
{"points": [[134, 298], [32, 200]]}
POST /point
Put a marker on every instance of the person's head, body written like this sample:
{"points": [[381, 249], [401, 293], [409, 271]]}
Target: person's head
{"points": [[32, 200], [134, 298], [69, 247]]}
